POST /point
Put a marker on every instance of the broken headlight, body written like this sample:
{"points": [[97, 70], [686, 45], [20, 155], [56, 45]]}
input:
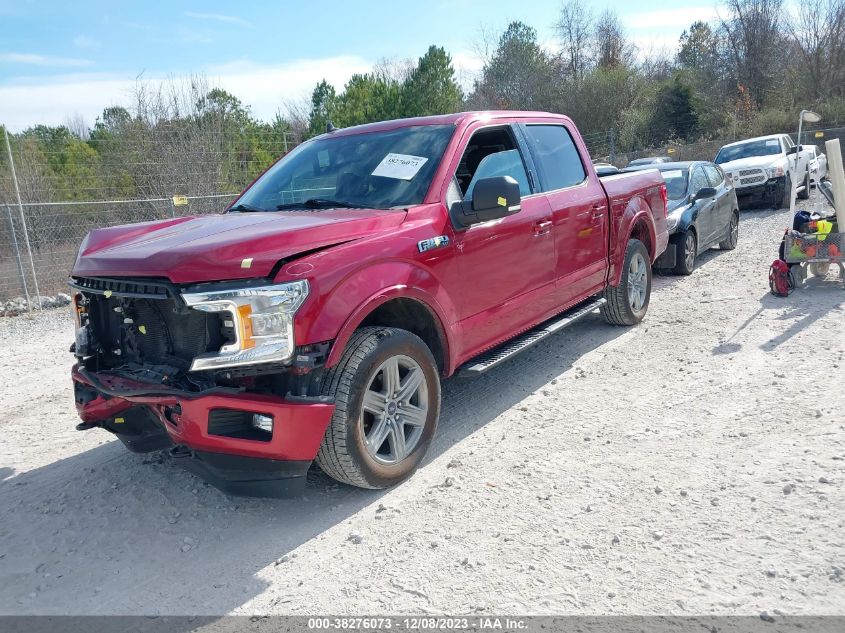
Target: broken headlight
{"points": [[262, 319]]}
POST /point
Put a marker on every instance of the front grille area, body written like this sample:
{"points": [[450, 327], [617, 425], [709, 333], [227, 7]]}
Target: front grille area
{"points": [[139, 322], [751, 177]]}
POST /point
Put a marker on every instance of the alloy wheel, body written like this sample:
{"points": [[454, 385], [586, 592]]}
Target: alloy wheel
{"points": [[395, 410], [637, 282]]}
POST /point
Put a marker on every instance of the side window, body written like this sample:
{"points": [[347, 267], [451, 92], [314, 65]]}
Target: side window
{"points": [[787, 141], [714, 175], [698, 180], [490, 153], [557, 156]]}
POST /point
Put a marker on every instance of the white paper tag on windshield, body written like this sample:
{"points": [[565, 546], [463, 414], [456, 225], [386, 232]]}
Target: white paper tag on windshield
{"points": [[674, 173], [399, 166], [772, 143]]}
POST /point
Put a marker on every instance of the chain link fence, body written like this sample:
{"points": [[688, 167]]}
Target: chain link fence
{"points": [[39, 241]]}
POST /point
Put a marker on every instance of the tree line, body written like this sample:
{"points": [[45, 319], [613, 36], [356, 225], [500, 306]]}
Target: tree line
{"points": [[749, 72]]}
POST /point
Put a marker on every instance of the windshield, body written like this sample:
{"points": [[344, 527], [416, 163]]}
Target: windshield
{"points": [[676, 183], [378, 170], [766, 147]]}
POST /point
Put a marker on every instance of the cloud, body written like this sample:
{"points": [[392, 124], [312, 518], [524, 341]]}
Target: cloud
{"points": [[43, 60], [665, 19], [265, 88], [85, 42], [218, 17]]}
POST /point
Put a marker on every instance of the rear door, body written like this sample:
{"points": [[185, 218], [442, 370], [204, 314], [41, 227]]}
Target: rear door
{"points": [[579, 209]]}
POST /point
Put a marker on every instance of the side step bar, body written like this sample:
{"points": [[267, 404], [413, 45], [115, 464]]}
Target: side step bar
{"points": [[509, 349]]}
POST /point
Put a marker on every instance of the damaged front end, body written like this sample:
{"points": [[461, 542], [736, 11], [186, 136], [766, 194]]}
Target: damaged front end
{"points": [[210, 372]]}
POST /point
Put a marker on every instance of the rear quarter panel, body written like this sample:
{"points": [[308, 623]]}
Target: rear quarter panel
{"points": [[637, 207]]}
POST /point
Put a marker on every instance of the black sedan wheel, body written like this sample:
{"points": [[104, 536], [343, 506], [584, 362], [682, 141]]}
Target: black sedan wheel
{"points": [[687, 248]]}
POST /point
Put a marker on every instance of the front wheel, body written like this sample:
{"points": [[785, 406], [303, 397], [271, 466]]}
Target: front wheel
{"points": [[687, 249], [804, 195], [627, 303], [386, 389], [786, 197]]}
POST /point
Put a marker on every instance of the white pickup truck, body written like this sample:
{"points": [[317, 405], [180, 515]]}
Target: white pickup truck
{"points": [[764, 168]]}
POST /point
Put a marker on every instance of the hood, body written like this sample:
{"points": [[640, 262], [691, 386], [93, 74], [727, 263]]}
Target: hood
{"points": [[221, 247], [751, 162]]}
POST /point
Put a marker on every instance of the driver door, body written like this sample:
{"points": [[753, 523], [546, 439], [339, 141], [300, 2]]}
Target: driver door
{"points": [[506, 266]]}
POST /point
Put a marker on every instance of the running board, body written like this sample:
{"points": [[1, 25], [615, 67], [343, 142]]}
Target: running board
{"points": [[509, 349]]}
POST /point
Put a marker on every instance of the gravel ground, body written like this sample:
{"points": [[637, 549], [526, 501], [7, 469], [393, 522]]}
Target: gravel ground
{"points": [[694, 464]]}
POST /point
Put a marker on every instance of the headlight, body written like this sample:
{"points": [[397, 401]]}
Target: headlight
{"points": [[672, 221], [262, 318], [775, 172]]}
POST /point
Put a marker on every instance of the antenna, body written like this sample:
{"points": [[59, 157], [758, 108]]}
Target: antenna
{"points": [[330, 127]]}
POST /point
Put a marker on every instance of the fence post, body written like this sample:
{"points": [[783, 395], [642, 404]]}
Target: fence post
{"points": [[612, 135], [17, 253], [23, 220]]}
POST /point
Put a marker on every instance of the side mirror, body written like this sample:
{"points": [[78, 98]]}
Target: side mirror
{"points": [[704, 193], [492, 198], [793, 150]]}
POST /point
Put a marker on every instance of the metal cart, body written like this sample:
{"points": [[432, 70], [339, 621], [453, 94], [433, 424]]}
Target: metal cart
{"points": [[814, 253]]}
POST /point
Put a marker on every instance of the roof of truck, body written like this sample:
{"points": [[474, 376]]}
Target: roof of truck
{"points": [[447, 119], [756, 138]]}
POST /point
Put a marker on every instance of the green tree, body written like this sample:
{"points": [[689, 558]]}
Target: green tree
{"points": [[323, 103], [431, 87], [518, 75]]}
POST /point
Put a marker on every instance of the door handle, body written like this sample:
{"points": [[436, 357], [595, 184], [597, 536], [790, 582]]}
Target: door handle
{"points": [[598, 212], [542, 228]]}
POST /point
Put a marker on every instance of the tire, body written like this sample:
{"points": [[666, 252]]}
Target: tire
{"points": [[730, 242], [368, 362], [805, 195], [786, 196], [686, 247], [818, 269], [623, 307]]}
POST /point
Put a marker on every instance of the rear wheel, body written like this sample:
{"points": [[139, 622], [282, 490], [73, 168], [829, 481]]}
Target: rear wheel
{"points": [[627, 303], [386, 389], [687, 249], [730, 242]]}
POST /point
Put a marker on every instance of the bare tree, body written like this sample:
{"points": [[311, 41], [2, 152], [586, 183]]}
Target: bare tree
{"points": [[818, 32], [575, 31], [754, 37], [613, 50]]}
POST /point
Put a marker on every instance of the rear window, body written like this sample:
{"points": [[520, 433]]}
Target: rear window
{"points": [[676, 183], [558, 158]]}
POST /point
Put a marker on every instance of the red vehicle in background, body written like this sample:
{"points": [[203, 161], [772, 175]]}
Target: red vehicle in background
{"points": [[315, 318]]}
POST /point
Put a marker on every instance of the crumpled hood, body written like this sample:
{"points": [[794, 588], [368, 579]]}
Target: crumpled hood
{"points": [[752, 162], [220, 247]]}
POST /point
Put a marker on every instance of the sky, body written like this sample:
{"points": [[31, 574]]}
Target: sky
{"points": [[61, 60]]}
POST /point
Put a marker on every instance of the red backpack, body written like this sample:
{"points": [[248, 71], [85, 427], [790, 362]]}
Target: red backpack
{"points": [[780, 281]]}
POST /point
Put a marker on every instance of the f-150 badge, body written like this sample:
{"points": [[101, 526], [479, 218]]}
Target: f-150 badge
{"points": [[434, 242]]}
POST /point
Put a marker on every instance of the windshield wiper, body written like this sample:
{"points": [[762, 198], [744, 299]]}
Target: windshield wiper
{"points": [[247, 207], [319, 203]]}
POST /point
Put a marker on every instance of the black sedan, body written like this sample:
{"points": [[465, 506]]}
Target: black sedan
{"points": [[703, 212]]}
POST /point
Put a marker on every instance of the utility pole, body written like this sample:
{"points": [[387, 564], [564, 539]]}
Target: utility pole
{"points": [[23, 220]]}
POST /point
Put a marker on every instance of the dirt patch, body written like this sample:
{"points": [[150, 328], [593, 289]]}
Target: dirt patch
{"points": [[693, 464]]}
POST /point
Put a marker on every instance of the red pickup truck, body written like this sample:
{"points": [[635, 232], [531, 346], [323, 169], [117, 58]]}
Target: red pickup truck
{"points": [[315, 318]]}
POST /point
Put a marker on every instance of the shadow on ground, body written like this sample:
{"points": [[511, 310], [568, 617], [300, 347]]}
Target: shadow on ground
{"points": [[117, 521]]}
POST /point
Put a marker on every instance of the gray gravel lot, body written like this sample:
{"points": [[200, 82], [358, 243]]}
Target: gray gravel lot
{"points": [[694, 464]]}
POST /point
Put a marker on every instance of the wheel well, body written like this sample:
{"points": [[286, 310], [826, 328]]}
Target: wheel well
{"points": [[415, 317], [640, 232]]}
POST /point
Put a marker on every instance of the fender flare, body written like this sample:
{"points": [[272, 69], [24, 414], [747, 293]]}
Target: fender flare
{"points": [[398, 291], [638, 211]]}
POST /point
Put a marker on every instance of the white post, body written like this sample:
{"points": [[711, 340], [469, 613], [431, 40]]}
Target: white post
{"points": [[23, 221], [836, 174]]}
